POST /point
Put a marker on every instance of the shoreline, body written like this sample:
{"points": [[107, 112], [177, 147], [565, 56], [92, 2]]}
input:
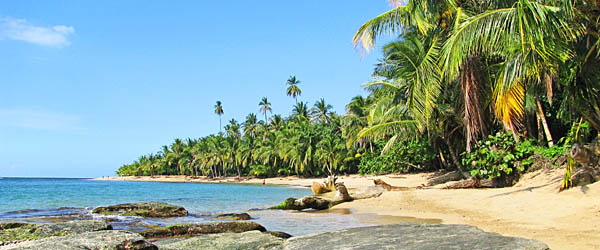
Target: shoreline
{"points": [[531, 209]]}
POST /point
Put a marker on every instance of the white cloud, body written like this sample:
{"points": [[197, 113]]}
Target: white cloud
{"points": [[36, 119], [21, 30]]}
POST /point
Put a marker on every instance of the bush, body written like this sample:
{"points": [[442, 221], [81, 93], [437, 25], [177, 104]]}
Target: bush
{"points": [[402, 157], [499, 157]]}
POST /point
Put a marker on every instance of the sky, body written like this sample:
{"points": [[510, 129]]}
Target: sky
{"points": [[87, 86]]}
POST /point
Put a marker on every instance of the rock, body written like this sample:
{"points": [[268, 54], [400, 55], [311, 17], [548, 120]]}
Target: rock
{"points": [[412, 236], [161, 232], [241, 216], [108, 239], [16, 232], [11, 225], [143, 209], [188, 230], [246, 240], [280, 234]]}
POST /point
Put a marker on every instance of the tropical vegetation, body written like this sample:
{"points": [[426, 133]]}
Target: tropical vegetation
{"points": [[478, 87]]}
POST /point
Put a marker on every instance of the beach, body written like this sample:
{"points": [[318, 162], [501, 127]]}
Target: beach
{"points": [[533, 208]]}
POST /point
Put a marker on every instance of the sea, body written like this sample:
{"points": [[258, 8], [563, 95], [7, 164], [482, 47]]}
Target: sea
{"points": [[46, 200]]}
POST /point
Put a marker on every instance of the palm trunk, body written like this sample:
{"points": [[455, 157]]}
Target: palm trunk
{"points": [[453, 155], [220, 124], [542, 117]]}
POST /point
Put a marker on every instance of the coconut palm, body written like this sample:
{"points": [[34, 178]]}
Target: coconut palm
{"points": [[293, 90], [219, 111], [321, 111], [265, 106], [300, 110]]}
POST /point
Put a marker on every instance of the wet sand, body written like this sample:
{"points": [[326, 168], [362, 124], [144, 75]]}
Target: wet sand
{"points": [[531, 209]]}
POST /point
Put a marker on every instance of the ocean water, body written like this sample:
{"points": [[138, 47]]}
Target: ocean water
{"points": [[46, 199]]}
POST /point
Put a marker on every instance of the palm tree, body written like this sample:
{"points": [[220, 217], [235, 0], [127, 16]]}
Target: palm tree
{"points": [[321, 111], [293, 90], [300, 110], [265, 106], [219, 111]]}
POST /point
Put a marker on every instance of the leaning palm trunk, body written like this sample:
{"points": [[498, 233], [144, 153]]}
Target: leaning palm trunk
{"points": [[542, 117], [473, 110]]}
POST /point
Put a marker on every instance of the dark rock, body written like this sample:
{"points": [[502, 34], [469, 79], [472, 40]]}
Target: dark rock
{"points": [[143, 209], [246, 240], [161, 232], [305, 202], [11, 225], [412, 236], [280, 234], [241, 216], [20, 231], [109, 239], [188, 230]]}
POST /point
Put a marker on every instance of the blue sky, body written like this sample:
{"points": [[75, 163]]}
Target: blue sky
{"points": [[88, 86]]}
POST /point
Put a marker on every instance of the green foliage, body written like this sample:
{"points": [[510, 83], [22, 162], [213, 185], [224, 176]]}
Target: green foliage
{"points": [[498, 156], [401, 157]]}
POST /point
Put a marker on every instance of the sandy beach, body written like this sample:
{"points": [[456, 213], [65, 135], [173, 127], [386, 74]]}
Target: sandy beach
{"points": [[531, 209]]}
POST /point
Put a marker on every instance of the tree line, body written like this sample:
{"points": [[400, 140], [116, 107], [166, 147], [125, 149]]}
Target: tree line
{"points": [[473, 86]]}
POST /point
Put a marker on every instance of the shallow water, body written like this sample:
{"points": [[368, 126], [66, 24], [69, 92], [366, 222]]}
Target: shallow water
{"points": [[51, 200]]}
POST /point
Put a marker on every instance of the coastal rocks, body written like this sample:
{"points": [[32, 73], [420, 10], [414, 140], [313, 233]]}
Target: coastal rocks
{"points": [[143, 209], [412, 236], [282, 235], [188, 230], [15, 232], [240, 216], [109, 239], [246, 240]]}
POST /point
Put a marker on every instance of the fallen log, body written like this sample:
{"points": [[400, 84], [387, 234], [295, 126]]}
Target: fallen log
{"points": [[320, 203]]}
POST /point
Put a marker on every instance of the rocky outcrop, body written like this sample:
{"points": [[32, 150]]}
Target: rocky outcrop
{"points": [[247, 240], [282, 235], [188, 230], [143, 209], [241, 216], [15, 232], [412, 236], [109, 239]]}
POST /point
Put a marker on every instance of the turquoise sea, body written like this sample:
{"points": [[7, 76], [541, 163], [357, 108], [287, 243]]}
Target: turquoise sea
{"points": [[49, 199]]}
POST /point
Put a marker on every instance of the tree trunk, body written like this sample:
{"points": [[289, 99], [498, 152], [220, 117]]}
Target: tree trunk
{"points": [[542, 117], [453, 156]]}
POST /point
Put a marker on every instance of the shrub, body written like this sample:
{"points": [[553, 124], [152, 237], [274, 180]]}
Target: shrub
{"points": [[499, 157], [402, 156]]}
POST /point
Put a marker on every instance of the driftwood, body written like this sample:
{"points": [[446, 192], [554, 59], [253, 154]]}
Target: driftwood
{"points": [[388, 187], [446, 177], [320, 203], [328, 185], [471, 183]]}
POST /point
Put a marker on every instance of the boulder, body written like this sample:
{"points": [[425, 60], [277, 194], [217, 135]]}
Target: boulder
{"points": [[108, 239], [241, 216], [143, 209], [15, 232], [246, 240], [188, 230], [412, 236]]}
